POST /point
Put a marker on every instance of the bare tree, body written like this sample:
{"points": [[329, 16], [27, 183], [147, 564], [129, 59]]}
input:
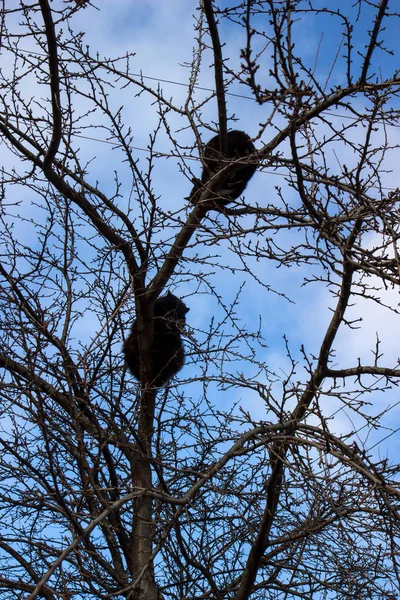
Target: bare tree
{"points": [[115, 489]]}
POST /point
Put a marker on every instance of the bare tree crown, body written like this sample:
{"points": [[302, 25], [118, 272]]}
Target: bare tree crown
{"points": [[267, 467]]}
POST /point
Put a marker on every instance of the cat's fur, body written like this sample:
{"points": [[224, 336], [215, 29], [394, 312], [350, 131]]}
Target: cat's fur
{"points": [[167, 353], [239, 146]]}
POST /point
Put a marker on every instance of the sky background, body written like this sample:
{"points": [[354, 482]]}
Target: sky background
{"points": [[162, 36]]}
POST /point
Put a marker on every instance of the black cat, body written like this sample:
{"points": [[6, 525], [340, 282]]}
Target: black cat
{"points": [[167, 352], [239, 146]]}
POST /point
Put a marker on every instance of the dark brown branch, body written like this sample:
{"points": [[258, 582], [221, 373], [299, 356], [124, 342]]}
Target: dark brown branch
{"points": [[79, 539], [367, 370], [279, 449], [326, 346], [373, 44], [300, 180], [218, 74], [110, 234], [46, 591], [41, 384], [178, 247], [260, 544], [54, 82], [194, 219], [143, 524], [84, 184]]}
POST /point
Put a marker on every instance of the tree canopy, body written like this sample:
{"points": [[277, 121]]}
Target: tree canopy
{"points": [[268, 467]]}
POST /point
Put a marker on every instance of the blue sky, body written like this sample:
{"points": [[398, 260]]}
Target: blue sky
{"points": [[162, 36]]}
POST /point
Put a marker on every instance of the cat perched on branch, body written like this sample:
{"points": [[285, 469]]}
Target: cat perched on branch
{"points": [[239, 145], [167, 352]]}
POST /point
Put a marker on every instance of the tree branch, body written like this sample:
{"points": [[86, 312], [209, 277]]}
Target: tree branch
{"points": [[218, 73], [54, 82], [115, 506]]}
